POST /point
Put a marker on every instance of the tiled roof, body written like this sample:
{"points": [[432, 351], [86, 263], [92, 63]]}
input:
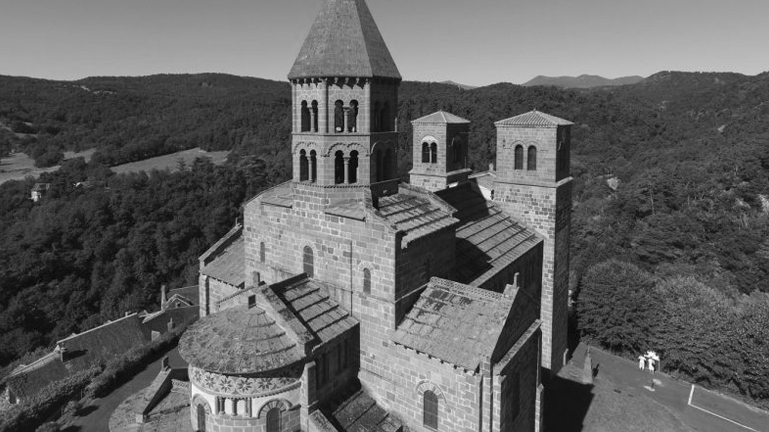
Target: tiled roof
{"points": [[238, 340], [229, 264], [456, 323], [440, 117], [190, 293], [310, 302], [534, 119], [485, 179], [361, 413], [487, 238], [344, 41], [416, 214], [105, 341]]}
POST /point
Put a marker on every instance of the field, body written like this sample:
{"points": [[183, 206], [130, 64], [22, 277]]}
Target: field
{"points": [[171, 161], [19, 165]]}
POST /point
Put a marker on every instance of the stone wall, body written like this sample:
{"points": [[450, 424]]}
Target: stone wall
{"points": [[516, 382]]}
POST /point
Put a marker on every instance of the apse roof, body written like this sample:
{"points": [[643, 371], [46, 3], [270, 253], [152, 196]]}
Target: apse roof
{"points": [[441, 117], [239, 340], [344, 41], [534, 119]]}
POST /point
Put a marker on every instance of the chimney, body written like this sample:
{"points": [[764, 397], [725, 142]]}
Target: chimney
{"points": [[63, 351], [171, 324], [491, 166], [162, 297]]}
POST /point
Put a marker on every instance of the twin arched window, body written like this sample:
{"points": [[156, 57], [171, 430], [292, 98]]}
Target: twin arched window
{"points": [[531, 160], [309, 117], [345, 118], [308, 167], [429, 152]]}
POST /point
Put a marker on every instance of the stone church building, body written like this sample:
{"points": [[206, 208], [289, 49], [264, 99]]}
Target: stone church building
{"points": [[347, 300]]}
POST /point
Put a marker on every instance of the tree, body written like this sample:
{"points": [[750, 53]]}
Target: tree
{"points": [[618, 307]]}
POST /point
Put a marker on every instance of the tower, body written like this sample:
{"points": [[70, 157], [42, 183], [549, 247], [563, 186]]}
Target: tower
{"points": [[344, 95], [534, 185], [439, 150]]}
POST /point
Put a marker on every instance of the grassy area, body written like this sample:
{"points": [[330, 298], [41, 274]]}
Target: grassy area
{"points": [[19, 165], [171, 161]]}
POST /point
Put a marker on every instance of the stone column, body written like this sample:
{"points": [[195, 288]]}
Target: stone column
{"points": [[346, 115], [312, 120], [347, 170]]}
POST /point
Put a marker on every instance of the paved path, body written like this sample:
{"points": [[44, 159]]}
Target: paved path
{"points": [[98, 419], [674, 395]]}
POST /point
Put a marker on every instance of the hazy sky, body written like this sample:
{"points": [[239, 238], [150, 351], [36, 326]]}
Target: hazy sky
{"points": [[475, 42]]}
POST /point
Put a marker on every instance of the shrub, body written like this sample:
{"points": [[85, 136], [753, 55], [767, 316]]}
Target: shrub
{"points": [[27, 416], [121, 368]]}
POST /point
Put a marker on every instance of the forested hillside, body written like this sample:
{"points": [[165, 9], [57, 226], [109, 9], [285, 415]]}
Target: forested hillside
{"points": [[686, 155]]}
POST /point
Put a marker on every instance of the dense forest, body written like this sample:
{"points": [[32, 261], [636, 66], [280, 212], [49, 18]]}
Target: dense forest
{"points": [[671, 178]]}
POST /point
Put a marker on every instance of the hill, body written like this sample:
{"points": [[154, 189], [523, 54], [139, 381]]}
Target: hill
{"points": [[687, 154], [582, 81]]}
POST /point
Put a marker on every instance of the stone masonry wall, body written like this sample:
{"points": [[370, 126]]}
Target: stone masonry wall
{"points": [[213, 291], [536, 207], [517, 381], [413, 373]]}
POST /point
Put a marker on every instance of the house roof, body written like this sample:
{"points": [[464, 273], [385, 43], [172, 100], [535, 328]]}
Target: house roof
{"points": [[344, 41], [309, 301], [487, 239], [441, 117], [454, 322], [83, 350], [228, 265], [189, 294], [238, 340], [534, 119], [416, 214]]}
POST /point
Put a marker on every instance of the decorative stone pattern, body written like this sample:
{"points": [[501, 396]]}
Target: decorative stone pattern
{"points": [[219, 384]]}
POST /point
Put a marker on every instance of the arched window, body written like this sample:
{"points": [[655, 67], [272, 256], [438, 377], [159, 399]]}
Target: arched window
{"points": [[433, 153], [384, 121], [314, 116], [305, 117], [531, 161], [387, 164], [201, 418], [378, 165], [518, 164], [352, 117], [430, 406], [261, 252], [352, 168], [367, 281], [308, 264], [273, 420], [457, 144], [425, 152], [376, 119], [313, 166], [339, 167], [304, 168], [338, 116]]}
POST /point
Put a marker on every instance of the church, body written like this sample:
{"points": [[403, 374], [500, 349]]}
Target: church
{"points": [[349, 300]]}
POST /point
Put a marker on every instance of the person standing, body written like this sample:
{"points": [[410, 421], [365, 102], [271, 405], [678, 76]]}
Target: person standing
{"points": [[641, 362]]}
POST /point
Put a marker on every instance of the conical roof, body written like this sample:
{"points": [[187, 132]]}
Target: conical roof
{"points": [[344, 41]]}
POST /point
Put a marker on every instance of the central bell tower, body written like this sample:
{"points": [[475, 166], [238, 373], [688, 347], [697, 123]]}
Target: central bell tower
{"points": [[344, 96]]}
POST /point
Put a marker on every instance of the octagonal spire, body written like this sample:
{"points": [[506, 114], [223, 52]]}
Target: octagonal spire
{"points": [[344, 41]]}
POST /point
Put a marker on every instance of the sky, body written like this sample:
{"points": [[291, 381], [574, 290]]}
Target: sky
{"points": [[474, 42]]}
